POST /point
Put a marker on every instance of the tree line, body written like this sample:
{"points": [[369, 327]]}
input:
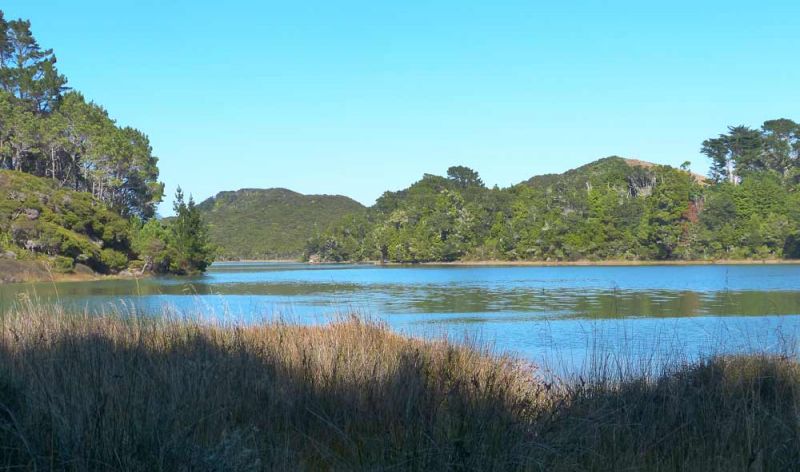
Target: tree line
{"points": [[614, 208]]}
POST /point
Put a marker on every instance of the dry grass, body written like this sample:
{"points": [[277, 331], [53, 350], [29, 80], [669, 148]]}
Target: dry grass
{"points": [[135, 393]]}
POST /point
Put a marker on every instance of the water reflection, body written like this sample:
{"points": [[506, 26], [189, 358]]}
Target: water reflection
{"points": [[550, 303], [532, 310]]}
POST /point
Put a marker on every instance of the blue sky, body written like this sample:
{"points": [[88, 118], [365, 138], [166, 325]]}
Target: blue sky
{"points": [[355, 98]]}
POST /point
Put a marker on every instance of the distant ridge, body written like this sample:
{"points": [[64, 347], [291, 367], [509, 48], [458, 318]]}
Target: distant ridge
{"points": [[277, 223], [272, 223]]}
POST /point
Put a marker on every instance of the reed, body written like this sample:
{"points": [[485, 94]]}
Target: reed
{"points": [[122, 391]]}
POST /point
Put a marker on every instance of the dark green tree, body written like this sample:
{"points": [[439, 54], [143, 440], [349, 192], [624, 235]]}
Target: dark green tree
{"points": [[782, 148], [26, 70], [153, 243], [734, 154], [193, 250], [464, 177]]}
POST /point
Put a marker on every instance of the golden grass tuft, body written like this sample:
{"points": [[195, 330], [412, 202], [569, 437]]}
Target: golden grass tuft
{"points": [[117, 392]]}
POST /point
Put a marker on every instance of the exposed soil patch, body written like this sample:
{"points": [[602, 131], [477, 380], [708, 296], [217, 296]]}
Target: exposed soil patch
{"points": [[12, 271]]}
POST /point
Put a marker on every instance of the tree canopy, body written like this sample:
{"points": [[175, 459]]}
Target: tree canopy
{"points": [[48, 131], [775, 149]]}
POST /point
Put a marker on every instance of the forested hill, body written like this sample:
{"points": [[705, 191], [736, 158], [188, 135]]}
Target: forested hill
{"points": [[78, 190], [613, 208], [270, 223]]}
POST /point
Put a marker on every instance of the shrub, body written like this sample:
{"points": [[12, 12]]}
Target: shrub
{"points": [[63, 264], [113, 260]]}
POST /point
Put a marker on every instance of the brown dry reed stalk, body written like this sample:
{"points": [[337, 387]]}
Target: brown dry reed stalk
{"points": [[122, 391]]}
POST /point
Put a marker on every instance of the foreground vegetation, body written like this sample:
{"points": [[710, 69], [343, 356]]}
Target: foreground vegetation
{"points": [[82, 392]]}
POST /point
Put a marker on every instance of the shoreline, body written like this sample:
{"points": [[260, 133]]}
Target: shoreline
{"points": [[611, 263], [24, 272], [31, 272], [71, 278], [502, 263], [259, 261]]}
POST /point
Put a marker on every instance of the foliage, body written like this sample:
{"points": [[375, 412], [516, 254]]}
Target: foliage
{"points": [[775, 149], [343, 241], [192, 249], [51, 132], [270, 223], [63, 264], [78, 188], [26, 70], [606, 209], [152, 240], [113, 260], [613, 208], [38, 216], [39, 219]]}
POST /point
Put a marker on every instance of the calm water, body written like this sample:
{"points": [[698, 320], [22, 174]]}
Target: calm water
{"points": [[562, 315]]}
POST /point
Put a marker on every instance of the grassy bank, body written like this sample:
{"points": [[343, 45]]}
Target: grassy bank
{"points": [[13, 271], [107, 393]]}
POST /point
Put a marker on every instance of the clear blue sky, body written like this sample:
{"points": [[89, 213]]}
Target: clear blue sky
{"points": [[358, 97]]}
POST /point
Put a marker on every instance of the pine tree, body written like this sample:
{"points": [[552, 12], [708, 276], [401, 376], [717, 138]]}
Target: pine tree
{"points": [[193, 251], [26, 70]]}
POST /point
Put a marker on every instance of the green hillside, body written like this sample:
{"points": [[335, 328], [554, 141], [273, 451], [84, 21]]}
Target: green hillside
{"points": [[270, 223], [612, 208], [40, 221], [609, 209]]}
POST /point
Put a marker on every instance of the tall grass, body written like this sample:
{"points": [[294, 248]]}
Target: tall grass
{"points": [[112, 392]]}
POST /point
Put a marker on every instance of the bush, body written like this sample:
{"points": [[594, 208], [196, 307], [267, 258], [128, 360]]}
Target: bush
{"points": [[112, 260], [136, 265], [62, 264], [38, 218]]}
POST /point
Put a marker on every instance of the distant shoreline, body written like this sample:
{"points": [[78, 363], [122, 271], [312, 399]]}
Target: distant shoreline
{"points": [[261, 261], [16, 272], [581, 263], [614, 263]]}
